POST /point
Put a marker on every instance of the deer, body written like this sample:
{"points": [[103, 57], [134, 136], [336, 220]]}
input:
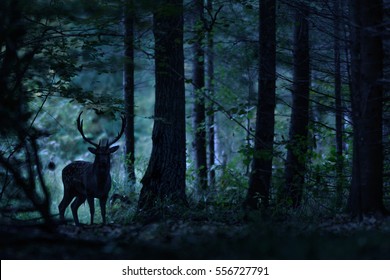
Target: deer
{"points": [[85, 180]]}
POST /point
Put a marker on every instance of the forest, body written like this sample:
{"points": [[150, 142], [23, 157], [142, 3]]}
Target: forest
{"points": [[195, 129]]}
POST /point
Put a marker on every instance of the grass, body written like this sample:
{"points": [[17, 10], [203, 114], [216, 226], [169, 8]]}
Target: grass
{"points": [[205, 233]]}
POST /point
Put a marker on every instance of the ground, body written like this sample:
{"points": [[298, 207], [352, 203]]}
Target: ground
{"points": [[337, 237]]}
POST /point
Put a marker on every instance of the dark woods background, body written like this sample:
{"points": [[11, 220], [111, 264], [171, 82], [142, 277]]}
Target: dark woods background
{"points": [[244, 118]]}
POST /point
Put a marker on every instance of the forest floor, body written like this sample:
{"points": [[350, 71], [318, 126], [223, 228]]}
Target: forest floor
{"points": [[337, 237]]}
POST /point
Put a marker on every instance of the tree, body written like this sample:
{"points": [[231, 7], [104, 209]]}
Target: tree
{"points": [[366, 193], [164, 179], [128, 80], [295, 168], [210, 108], [20, 162], [260, 178], [199, 102], [338, 103]]}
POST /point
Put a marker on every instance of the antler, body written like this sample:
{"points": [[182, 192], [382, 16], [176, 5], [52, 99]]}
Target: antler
{"points": [[80, 128], [120, 133]]}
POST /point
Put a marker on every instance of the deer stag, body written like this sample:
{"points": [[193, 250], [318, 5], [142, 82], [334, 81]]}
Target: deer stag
{"points": [[86, 180]]}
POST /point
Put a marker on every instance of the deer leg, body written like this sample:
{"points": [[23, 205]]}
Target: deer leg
{"points": [[75, 206], [91, 203], [66, 200], [103, 202]]}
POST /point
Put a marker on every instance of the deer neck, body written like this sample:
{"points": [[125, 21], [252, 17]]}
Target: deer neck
{"points": [[101, 174]]}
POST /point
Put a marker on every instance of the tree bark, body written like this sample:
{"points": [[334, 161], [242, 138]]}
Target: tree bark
{"points": [[210, 107], [128, 80], [366, 193], [164, 180], [338, 103], [260, 178], [199, 102], [297, 147]]}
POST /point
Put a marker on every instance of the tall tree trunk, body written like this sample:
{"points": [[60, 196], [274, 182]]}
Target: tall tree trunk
{"points": [[210, 107], [366, 194], [15, 61], [260, 178], [297, 147], [339, 107], [128, 81], [199, 102], [164, 180]]}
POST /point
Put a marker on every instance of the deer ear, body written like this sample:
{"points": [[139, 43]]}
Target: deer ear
{"points": [[114, 149], [92, 150]]}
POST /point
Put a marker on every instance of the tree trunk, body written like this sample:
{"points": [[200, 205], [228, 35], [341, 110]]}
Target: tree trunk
{"points": [[339, 107], [164, 180], [210, 107], [15, 62], [260, 178], [366, 194], [128, 80], [199, 102], [297, 146]]}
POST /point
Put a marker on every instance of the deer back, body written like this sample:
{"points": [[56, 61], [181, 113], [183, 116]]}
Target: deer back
{"points": [[73, 176], [87, 179]]}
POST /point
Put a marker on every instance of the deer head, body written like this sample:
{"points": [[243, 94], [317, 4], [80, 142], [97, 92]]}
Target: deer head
{"points": [[102, 150]]}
